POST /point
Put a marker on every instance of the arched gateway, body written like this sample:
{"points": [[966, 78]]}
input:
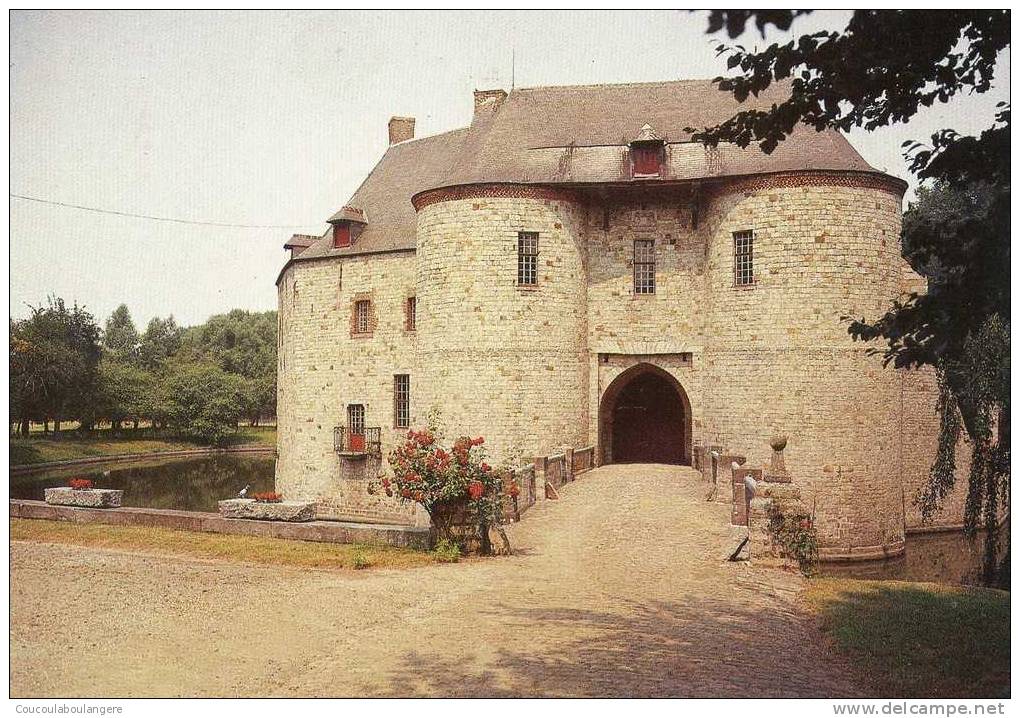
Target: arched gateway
{"points": [[645, 417]]}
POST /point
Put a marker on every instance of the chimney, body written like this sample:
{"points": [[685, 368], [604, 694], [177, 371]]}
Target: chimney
{"points": [[489, 98], [401, 129]]}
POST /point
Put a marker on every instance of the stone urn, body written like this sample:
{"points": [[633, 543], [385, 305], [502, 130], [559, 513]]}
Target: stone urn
{"points": [[777, 472]]}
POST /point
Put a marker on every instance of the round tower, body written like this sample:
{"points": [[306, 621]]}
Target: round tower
{"points": [[790, 257], [502, 290]]}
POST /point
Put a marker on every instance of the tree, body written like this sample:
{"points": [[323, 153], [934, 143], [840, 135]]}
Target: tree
{"points": [[120, 338], [54, 359], [199, 401], [866, 76], [242, 343], [123, 393], [162, 340]]}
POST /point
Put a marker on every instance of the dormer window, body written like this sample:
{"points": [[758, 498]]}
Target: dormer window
{"points": [[341, 235], [347, 225], [647, 153]]}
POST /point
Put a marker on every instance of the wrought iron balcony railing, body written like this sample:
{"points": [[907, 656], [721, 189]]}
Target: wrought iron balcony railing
{"points": [[366, 442]]}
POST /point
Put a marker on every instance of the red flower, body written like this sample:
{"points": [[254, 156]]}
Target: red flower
{"points": [[389, 491], [406, 493], [80, 484], [514, 490], [485, 467], [475, 490]]}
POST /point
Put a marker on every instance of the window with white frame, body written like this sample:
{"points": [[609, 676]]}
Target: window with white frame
{"points": [[401, 401], [644, 266], [743, 258], [527, 259]]}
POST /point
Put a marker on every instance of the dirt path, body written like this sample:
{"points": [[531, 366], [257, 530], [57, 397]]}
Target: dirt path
{"points": [[619, 591]]}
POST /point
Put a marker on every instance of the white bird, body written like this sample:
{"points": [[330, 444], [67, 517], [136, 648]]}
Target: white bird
{"points": [[734, 466], [243, 492], [715, 454]]}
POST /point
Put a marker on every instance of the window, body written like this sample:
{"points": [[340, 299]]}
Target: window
{"points": [[743, 258], [362, 308], [341, 234], [644, 266], [356, 419], [401, 401], [647, 160], [411, 314], [527, 259]]}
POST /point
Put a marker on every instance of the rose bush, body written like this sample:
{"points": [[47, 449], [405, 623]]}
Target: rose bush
{"points": [[795, 533], [454, 485]]}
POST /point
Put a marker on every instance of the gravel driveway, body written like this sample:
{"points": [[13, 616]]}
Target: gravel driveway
{"points": [[618, 590]]}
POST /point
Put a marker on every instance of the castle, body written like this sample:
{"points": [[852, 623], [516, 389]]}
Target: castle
{"points": [[572, 270]]}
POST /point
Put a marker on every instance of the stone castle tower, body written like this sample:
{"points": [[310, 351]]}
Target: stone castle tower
{"points": [[571, 269]]}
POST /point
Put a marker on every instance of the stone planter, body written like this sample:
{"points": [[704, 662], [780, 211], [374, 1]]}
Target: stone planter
{"points": [[279, 511], [86, 498]]}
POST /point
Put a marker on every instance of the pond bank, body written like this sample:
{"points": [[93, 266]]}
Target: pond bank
{"points": [[24, 469]]}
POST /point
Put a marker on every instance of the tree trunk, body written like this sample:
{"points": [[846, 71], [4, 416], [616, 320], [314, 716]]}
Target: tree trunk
{"points": [[136, 424], [56, 426], [24, 427]]}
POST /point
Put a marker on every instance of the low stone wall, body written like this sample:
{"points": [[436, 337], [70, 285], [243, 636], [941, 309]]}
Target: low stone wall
{"points": [[583, 460], [321, 531]]}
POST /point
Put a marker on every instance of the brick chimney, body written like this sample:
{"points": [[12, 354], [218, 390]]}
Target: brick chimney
{"points": [[489, 98], [401, 129]]}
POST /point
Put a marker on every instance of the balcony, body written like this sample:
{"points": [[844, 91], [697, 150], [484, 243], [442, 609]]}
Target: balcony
{"points": [[356, 445]]}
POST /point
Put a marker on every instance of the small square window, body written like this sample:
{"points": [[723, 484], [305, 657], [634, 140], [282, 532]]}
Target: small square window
{"points": [[527, 259], [644, 266], [743, 258]]}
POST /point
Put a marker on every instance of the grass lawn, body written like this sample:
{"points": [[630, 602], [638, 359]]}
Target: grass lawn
{"points": [[69, 444], [919, 640], [252, 549]]}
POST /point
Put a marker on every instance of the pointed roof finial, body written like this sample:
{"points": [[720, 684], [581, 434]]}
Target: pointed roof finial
{"points": [[647, 134]]}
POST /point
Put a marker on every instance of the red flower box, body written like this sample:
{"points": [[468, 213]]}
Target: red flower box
{"points": [[357, 442], [80, 484]]}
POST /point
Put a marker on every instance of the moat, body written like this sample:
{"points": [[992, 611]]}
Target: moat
{"points": [[187, 484]]}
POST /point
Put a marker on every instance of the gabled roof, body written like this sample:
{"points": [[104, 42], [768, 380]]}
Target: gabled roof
{"points": [[573, 135]]}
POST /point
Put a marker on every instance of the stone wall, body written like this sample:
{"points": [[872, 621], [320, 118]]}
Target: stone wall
{"points": [[528, 367], [323, 368], [498, 359]]}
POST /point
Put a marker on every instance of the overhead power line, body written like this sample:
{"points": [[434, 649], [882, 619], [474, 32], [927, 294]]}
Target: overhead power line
{"points": [[177, 220]]}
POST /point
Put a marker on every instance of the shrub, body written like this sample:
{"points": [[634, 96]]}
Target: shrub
{"points": [[80, 484], [268, 497], [452, 485], [360, 560], [446, 551], [795, 534]]}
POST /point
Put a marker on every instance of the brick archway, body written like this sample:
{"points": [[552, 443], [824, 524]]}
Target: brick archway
{"points": [[645, 416]]}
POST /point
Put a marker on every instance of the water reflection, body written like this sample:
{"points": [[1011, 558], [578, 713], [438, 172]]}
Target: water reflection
{"points": [[938, 557], [188, 484]]}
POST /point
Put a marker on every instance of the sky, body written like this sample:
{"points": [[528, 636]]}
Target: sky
{"points": [[274, 118]]}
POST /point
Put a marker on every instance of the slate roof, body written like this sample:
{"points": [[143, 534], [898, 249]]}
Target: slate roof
{"points": [[573, 135]]}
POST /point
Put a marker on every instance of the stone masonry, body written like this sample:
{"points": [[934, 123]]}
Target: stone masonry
{"points": [[528, 367]]}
